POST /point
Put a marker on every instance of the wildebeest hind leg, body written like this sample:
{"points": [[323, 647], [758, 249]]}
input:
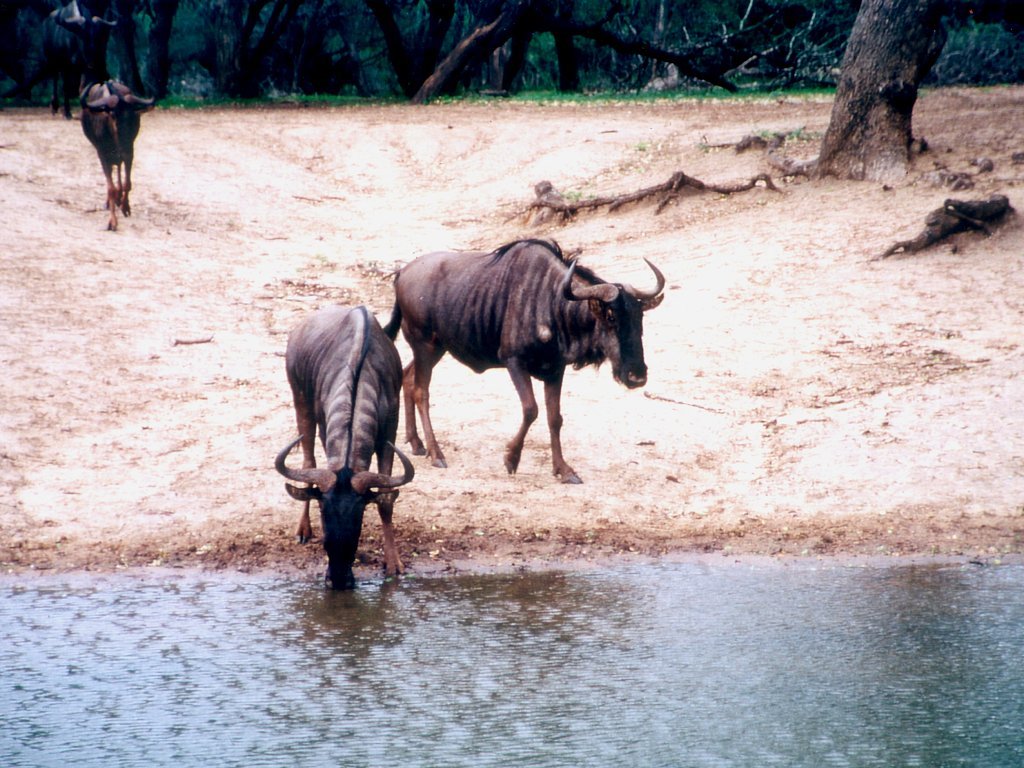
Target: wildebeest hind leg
{"points": [[423, 365], [411, 436]]}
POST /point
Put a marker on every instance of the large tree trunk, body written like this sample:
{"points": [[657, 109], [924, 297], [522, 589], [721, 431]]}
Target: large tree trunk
{"points": [[158, 62], [518, 45], [892, 46], [568, 63], [125, 56], [413, 62], [474, 47], [226, 26]]}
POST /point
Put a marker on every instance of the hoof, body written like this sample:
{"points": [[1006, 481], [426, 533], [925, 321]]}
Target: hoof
{"points": [[440, 463], [512, 463], [571, 479], [300, 539]]}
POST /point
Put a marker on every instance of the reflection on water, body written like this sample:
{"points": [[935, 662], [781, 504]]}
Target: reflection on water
{"points": [[676, 665]]}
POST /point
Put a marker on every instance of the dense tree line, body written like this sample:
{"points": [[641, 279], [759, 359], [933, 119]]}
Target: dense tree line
{"points": [[420, 49]]}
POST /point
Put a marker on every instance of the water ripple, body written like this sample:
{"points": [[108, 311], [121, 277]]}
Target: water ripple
{"points": [[647, 666]]}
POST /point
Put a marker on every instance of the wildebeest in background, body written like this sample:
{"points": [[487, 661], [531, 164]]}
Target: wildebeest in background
{"points": [[110, 111], [63, 60], [520, 307], [345, 376]]}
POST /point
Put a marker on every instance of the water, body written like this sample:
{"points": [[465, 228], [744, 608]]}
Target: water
{"points": [[675, 665]]}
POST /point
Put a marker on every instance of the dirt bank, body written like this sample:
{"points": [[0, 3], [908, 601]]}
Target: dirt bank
{"points": [[803, 399]]}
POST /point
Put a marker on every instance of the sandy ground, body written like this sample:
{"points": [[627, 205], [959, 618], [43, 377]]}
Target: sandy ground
{"points": [[803, 399]]}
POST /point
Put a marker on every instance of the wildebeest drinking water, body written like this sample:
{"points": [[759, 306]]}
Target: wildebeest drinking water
{"points": [[345, 376], [524, 308]]}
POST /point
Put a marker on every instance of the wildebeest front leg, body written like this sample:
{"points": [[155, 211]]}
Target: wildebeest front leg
{"points": [[392, 561], [126, 186], [553, 406], [524, 388], [307, 428], [385, 506], [113, 195]]}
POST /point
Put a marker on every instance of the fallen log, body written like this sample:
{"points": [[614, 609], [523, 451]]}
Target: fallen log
{"points": [[954, 216]]}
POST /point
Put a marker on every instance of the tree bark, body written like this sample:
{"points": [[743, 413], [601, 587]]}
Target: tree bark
{"points": [[226, 25], [568, 63], [158, 62], [517, 48], [892, 47], [474, 46], [413, 63], [127, 60]]}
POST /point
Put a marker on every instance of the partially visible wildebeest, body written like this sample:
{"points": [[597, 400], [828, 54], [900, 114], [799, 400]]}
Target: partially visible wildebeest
{"points": [[345, 376], [62, 57], [110, 111], [524, 308]]}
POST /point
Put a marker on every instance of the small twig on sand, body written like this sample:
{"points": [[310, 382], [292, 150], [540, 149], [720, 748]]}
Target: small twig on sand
{"points": [[184, 342], [662, 399]]}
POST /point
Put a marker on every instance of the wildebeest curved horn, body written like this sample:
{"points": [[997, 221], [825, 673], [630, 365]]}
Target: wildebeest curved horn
{"points": [[98, 20], [364, 481], [649, 299], [106, 101], [323, 479], [138, 102], [603, 291]]}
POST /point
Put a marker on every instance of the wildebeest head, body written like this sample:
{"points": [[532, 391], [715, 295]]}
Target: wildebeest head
{"points": [[342, 496], [94, 33], [618, 311]]}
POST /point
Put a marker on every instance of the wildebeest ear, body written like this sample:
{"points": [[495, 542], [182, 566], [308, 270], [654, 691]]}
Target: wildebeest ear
{"points": [[303, 494]]}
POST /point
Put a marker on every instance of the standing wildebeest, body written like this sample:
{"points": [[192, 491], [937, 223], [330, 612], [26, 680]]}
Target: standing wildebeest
{"points": [[110, 111], [345, 377], [62, 57], [520, 307]]}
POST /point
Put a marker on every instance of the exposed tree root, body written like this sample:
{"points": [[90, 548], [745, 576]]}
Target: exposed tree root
{"points": [[771, 146], [954, 216], [551, 202]]}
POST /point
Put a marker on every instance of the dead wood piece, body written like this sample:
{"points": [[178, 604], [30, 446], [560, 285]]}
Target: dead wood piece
{"points": [[958, 181], [787, 166], [549, 201], [954, 216], [184, 342], [755, 141]]}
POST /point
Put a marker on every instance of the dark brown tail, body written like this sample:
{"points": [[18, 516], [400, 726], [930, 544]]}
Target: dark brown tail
{"points": [[391, 329]]}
